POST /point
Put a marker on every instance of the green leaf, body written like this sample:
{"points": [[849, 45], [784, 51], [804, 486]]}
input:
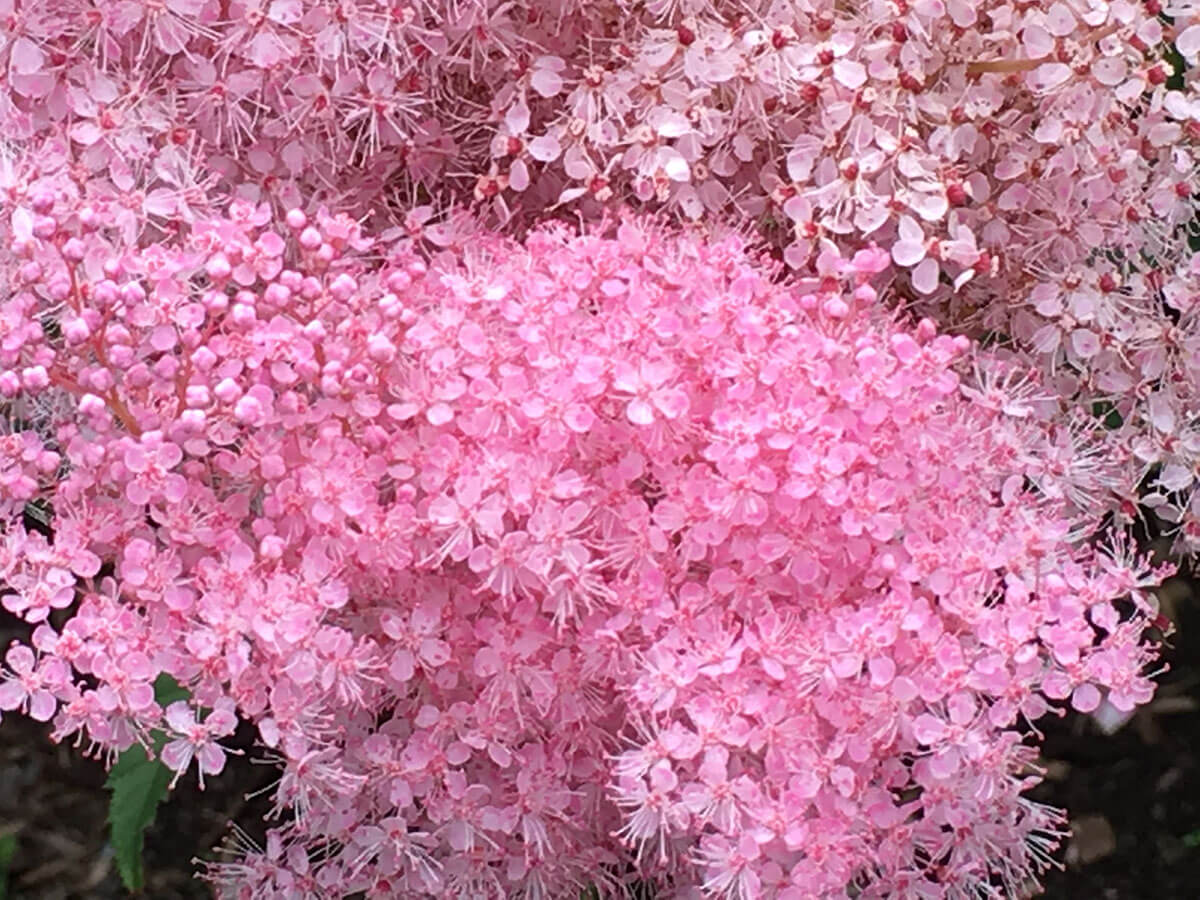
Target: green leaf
{"points": [[138, 784], [8, 849], [167, 690]]}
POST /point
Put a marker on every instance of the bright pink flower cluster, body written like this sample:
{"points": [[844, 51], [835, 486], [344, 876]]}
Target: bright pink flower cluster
{"points": [[546, 562], [1029, 166]]}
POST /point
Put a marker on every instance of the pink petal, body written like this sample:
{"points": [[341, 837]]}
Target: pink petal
{"points": [[672, 403], [176, 756], [212, 759], [639, 412], [12, 695], [42, 706], [180, 717], [26, 57], [925, 276], [1086, 698]]}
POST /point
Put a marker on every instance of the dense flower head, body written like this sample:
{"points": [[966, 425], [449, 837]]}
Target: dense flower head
{"points": [[535, 564], [1029, 166]]}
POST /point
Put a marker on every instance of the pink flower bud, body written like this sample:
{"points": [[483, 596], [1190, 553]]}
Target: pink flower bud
{"points": [[218, 268], [243, 315], [76, 331], [277, 296], [105, 294], [193, 420], [310, 238], [42, 202], [59, 290], [204, 359], [836, 308], [198, 396], [296, 219], [35, 378], [132, 293], [343, 287], [74, 250], [271, 547], [311, 288], [45, 227], [227, 390], [390, 306], [248, 411], [380, 349], [91, 405]]}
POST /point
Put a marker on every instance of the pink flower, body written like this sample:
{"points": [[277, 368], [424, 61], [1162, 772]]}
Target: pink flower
{"points": [[32, 686], [193, 739]]}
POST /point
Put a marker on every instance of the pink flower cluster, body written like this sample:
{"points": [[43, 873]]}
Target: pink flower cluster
{"points": [[547, 562], [540, 557], [1028, 165]]}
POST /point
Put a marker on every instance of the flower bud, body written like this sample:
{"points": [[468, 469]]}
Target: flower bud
{"points": [[228, 390], [35, 378], [45, 227], [218, 268], [343, 287], [248, 411], [74, 250], [380, 349], [42, 202], [76, 331], [91, 405]]}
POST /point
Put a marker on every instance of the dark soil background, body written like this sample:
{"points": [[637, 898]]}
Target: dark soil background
{"points": [[1133, 798]]}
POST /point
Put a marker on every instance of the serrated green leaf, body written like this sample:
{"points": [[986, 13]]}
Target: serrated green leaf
{"points": [[139, 784]]}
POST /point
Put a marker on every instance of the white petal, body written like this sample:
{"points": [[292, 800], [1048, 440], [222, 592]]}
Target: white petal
{"points": [[908, 253], [517, 117], [669, 123], [545, 148], [26, 57], [1060, 21], [674, 165], [1048, 76], [518, 176], [930, 207], [925, 276], [1111, 70], [1188, 43], [849, 73], [910, 230], [546, 82]]}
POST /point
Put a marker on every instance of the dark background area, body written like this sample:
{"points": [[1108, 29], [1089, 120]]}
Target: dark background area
{"points": [[1133, 798]]}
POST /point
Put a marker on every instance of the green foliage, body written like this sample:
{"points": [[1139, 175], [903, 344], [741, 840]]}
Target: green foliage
{"points": [[1106, 411], [8, 849], [138, 784]]}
